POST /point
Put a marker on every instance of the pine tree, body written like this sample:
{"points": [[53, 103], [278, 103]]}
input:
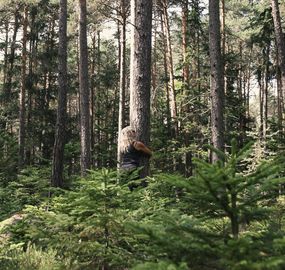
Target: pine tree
{"points": [[140, 68], [58, 149], [217, 81], [22, 105], [84, 90]]}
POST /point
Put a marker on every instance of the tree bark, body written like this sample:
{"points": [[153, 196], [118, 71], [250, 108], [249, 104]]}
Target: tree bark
{"points": [[186, 80], [122, 83], [5, 68], [11, 59], [22, 97], [172, 95], [99, 134], [93, 99], [140, 72], [280, 43], [241, 83], [168, 113], [217, 80], [31, 82], [185, 43], [47, 144], [280, 102], [223, 28], [265, 96], [58, 149], [260, 79], [84, 90]]}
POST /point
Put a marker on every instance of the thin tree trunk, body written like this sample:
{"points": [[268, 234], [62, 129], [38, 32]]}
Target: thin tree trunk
{"points": [[22, 112], [223, 28], [280, 43], [265, 103], [186, 80], [141, 21], [122, 86], [172, 96], [93, 97], [248, 87], [261, 101], [234, 216], [10, 69], [84, 90], [241, 92], [98, 105], [47, 147], [223, 53], [280, 102], [185, 43], [58, 148], [217, 80], [198, 64], [6, 72], [168, 113], [154, 63], [31, 82], [5, 68]]}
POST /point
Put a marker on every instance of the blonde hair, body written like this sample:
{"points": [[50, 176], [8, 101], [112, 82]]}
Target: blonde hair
{"points": [[126, 137]]}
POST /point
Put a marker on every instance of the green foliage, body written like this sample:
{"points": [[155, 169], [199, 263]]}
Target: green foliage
{"points": [[230, 188], [221, 213], [228, 215], [162, 265], [261, 250], [30, 187], [31, 258], [85, 223], [8, 158]]}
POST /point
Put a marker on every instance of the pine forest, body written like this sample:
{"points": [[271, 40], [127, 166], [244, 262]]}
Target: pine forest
{"points": [[142, 134]]}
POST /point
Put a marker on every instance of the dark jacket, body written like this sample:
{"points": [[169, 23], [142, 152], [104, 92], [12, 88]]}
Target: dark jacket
{"points": [[131, 158]]}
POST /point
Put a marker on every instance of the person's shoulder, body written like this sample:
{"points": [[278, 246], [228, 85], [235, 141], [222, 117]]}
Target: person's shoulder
{"points": [[138, 144]]}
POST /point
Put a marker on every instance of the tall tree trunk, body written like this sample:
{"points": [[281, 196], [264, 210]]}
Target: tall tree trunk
{"points": [[217, 80], [47, 145], [247, 87], [241, 82], [186, 80], [10, 69], [5, 68], [122, 86], [223, 28], [280, 102], [31, 82], [141, 21], [154, 63], [172, 96], [185, 42], [280, 42], [223, 53], [93, 99], [22, 105], [266, 79], [260, 79], [84, 90], [3, 101], [168, 113], [99, 97], [58, 148]]}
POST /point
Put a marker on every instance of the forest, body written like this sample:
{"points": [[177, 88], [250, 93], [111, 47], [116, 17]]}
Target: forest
{"points": [[200, 82]]}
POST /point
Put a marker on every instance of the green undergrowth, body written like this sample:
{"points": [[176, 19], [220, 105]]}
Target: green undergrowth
{"points": [[229, 215]]}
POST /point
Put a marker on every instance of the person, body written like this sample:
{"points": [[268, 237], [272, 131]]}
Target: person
{"points": [[132, 151]]}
